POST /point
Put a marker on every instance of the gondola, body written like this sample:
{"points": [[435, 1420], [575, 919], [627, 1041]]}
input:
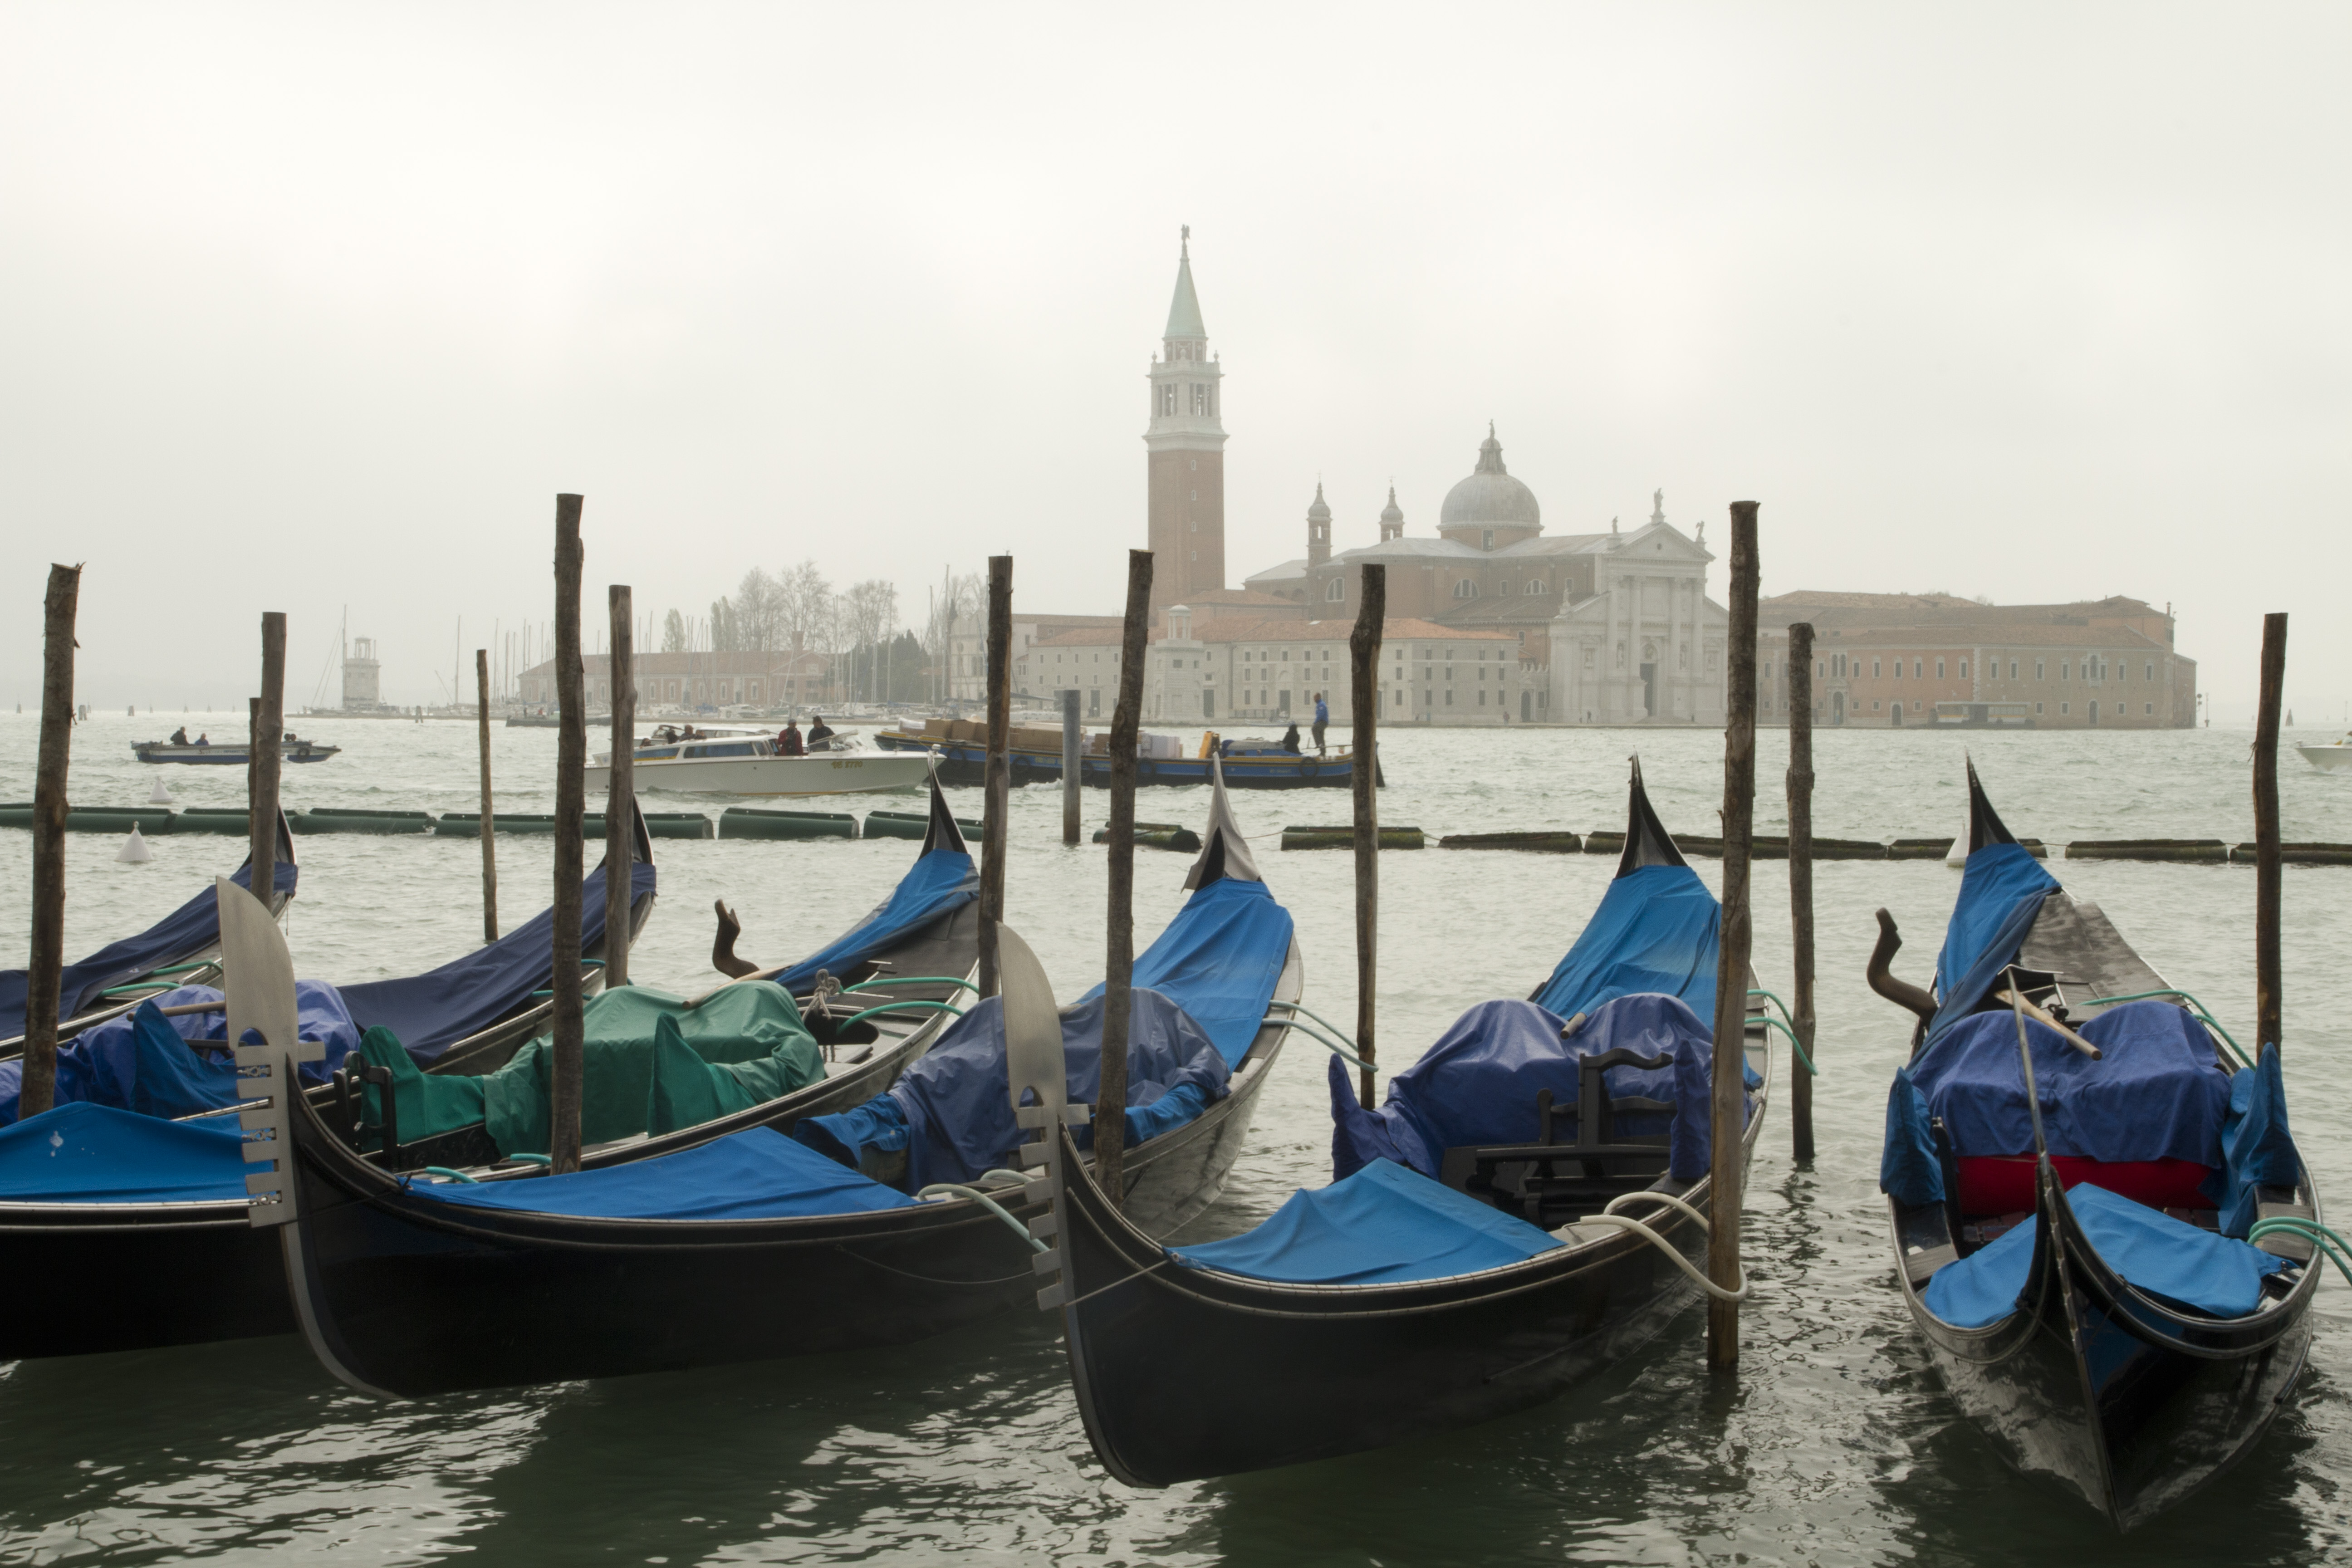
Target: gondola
{"points": [[1460, 1266], [135, 1224], [177, 950], [749, 1244], [2068, 1227]]}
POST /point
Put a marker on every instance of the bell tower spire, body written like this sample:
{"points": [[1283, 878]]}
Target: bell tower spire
{"points": [[1185, 451]]}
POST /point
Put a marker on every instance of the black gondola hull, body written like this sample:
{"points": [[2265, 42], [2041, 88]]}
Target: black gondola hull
{"points": [[152, 1276]]}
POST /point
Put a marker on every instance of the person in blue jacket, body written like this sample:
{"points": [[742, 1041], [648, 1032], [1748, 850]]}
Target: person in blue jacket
{"points": [[1322, 717]]}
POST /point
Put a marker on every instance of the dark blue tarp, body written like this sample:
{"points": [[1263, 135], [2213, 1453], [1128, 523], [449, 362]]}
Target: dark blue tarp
{"points": [[2155, 1094], [97, 1155], [2257, 1149], [1384, 1224], [1219, 957], [190, 929], [937, 884], [2000, 892], [1908, 1169], [757, 1174], [141, 1061], [2157, 1254], [429, 1012], [1657, 929], [958, 1117], [1477, 1084]]}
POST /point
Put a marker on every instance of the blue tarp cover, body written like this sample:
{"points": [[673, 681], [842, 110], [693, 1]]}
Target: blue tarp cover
{"points": [[1657, 929], [1909, 1170], [141, 1061], [192, 928], [433, 1010], [2257, 1149], [957, 1117], [2156, 1094], [1383, 1225], [2000, 892], [2157, 1254], [938, 883], [757, 1174], [1477, 1084], [97, 1155], [1221, 957]]}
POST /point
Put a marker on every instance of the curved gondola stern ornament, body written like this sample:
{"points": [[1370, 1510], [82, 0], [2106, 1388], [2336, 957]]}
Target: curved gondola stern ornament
{"points": [[943, 832], [1647, 842], [1985, 826], [1037, 1079], [1224, 852]]}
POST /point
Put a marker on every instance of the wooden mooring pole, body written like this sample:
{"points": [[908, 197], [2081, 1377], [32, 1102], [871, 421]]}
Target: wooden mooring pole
{"points": [[268, 757], [2270, 1010], [1801, 879], [621, 792], [1071, 764], [1364, 678], [1118, 957], [566, 1061], [1728, 1109], [37, 1089], [489, 839], [996, 779]]}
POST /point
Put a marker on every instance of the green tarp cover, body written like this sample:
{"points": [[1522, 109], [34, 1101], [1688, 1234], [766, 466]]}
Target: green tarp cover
{"points": [[747, 1040]]}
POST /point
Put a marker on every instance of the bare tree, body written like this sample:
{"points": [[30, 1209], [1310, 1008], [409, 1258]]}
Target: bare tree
{"points": [[756, 612], [722, 627], [673, 633], [803, 605], [871, 608]]}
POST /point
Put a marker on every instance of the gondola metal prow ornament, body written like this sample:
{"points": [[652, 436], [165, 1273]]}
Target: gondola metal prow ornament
{"points": [[1034, 1068], [258, 980]]}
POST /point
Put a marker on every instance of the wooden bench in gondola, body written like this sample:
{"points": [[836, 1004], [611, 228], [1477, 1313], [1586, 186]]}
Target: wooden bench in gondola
{"points": [[1552, 1184]]}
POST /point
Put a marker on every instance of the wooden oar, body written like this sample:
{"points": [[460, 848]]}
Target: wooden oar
{"points": [[2043, 1015]]}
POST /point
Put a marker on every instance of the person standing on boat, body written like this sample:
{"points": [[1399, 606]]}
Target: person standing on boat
{"points": [[180, 736], [818, 734], [1290, 740], [789, 743], [1322, 717]]}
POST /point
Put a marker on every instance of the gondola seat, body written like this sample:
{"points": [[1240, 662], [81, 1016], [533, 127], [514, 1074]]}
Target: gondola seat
{"points": [[159, 1066]]}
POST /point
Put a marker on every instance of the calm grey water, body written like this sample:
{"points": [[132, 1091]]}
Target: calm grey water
{"points": [[1833, 1445]]}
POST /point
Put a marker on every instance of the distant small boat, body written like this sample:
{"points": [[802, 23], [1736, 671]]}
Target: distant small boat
{"points": [[2328, 754], [744, 761], [293, 749]]}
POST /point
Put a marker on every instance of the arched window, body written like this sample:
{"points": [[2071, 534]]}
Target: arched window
{"points": [[1336, 590], [1465, 589], [1536, 585]]}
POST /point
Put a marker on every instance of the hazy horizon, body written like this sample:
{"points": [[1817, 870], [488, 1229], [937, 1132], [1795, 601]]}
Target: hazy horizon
{"points": [[310, 309]]}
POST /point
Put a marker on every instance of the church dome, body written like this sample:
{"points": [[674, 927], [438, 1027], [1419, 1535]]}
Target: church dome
{"points": [[1490, 498], [1320, 511]]}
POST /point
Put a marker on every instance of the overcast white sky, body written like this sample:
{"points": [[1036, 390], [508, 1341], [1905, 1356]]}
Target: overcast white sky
{"points": [[310, 306]]}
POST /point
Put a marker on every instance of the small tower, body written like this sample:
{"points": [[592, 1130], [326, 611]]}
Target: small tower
{"points": [[360, 672], [1319, 530], [1391, 518], [1186, 446]]}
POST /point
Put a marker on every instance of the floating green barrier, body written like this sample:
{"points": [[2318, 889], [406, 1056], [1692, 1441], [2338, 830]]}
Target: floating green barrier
{"points": [[359, 819], [1538, 841], [910, 825], [2298, 853], [232, 821], [149, 820], [1604, 844], [2204, 850], [1157, 836], [672, 825], [1344, 838], [658, 824], [761, 822]]}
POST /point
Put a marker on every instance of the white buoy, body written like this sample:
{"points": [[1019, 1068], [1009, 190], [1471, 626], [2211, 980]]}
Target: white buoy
{"points": [[134, 850], [1958, 855], [159, 796]]}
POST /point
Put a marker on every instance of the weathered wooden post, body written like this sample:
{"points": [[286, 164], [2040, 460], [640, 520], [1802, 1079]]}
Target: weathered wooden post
{"points": [[38, 1090], [268, 757], [1801, 876], [621, 792], [996, 778], [2270, 1010], [1364, 675], [1728, 1109], [1118, 960], [567, 1058], [490, 839], [1071, 764]]}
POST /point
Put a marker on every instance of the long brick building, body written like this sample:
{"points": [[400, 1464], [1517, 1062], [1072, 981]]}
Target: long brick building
{"points": [[1893, 659]]}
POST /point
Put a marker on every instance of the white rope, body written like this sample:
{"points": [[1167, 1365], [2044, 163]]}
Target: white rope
{"points": [[1663, 1245], [956, 1189]]}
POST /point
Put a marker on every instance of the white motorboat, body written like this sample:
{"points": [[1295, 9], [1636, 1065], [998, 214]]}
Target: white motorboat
{"points": [[2328, 754], [744, 761]]}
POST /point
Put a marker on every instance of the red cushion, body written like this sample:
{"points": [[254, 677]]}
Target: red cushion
{"points": [[2003, 1184]]}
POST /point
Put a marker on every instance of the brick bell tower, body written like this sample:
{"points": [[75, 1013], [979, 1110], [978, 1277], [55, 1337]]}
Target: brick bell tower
{"points": [[1186, 447]]}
